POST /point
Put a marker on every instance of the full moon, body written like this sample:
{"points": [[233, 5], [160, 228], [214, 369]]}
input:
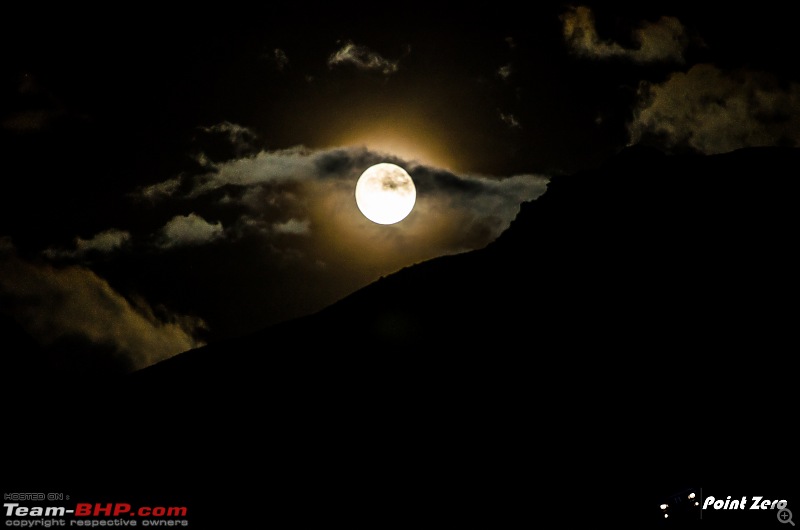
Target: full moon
{"points": [[385, 193]]}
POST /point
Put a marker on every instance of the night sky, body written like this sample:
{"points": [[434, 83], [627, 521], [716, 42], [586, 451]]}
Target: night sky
{"points": [[172, 178]]}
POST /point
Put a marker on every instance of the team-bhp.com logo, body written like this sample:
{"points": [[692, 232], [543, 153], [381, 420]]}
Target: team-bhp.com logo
{"points": [[87, 509]]}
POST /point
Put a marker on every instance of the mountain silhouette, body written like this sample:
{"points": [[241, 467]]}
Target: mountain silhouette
{"points": [[632, 330]]}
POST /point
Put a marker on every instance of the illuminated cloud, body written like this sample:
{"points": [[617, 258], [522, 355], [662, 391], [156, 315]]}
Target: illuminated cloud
{"points": [[310, 192], [662, 41], [226, 140], [362, 58], [238, 135], [292, 226], [266, 166], [103, 242], [713, 111], [186, 230], [160, 190], [73, 303], [510, 120], [300, 165]]}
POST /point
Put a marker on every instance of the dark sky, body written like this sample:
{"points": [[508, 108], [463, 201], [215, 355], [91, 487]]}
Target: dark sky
{"points": [[177, 177]]}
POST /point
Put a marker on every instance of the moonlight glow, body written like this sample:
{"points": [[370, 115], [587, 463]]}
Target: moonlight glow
{"points": [[385, 194]]}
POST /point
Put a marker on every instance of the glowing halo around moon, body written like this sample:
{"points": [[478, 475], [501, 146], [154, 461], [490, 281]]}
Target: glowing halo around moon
{"points": [[385, 193]]}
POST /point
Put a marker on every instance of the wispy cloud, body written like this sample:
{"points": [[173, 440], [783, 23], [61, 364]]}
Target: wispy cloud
{"points": [[285, 192], [292, 226], [104, 242], [159, 190], [362, 58], [665, 40], [296, 163], [237, 134]]}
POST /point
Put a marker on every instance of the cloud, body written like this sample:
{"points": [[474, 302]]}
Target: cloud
{"points": [[510, 120], [504, 72], [362, 58], [304, 166], [665, 40], [238, 135], [158, 191], [268, 177], [187, 230], [264, 167], [479, 196], [103, 242], [56, 304], [280, 59], [713, 111], [292, 226], [309, 193]]}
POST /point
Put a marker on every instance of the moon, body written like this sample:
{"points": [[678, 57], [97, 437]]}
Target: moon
{"points": [[385, 194]]}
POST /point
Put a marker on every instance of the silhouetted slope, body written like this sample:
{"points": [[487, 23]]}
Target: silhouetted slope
{"points": [[627, 330]]}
